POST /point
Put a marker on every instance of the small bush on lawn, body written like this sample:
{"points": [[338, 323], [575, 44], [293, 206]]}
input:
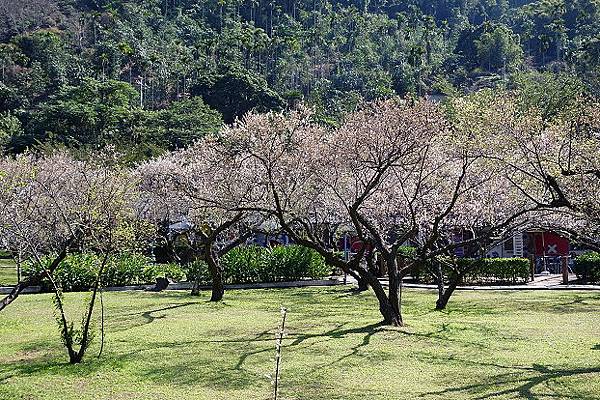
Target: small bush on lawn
{"points": [[5, 254], [296, 262], [76, 272], [128, 269], [587, 267]]}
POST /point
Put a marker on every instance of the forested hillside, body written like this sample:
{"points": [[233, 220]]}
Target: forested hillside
{"points": [[149, 75]]}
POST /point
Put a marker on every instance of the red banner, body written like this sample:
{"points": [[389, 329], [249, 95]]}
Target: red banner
{"points": [[550, 244]]}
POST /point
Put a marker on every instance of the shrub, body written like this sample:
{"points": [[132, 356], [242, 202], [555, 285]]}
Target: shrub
{"points": [[296, 262], [248, 264], [75, 272], [407, 251], [196, 270], [79, 271], [128, 269], [498, 270], [484, 270], [251, 264], [587, 267]]}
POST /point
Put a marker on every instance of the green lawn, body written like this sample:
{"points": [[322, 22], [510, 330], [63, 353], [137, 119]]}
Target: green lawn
{"points": [[504, 345], [8, 272]]}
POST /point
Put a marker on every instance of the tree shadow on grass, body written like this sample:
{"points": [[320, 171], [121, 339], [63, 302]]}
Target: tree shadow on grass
{"points": [[521, 380], [183, 365], [150, 316], [338, 333], [367, 331], [446, 334], [514, 301], [125, 322], [240, 376], [578, 305], [335, 333], [52, 364]]}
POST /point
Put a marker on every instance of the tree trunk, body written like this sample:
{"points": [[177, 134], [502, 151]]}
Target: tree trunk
{"points": [[444, 295], [332, 260], [75, 357], [395, 289], [218, 288], [85, 338], [395, 295], [216, 272], [439, 279], [196, 286], [389, 305], [14, 293], [363, 286]]}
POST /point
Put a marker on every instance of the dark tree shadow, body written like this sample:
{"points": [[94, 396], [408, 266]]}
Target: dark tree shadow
{"points": [[335, 333], [149, 317], [368, 332], [521, 385]]}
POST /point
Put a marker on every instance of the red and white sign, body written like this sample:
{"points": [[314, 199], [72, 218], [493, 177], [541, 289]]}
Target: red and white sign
{"points": [[550, 244]]}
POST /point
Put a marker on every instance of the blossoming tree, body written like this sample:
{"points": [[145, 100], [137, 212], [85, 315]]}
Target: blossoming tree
{"points": [[54, 205], [208, 186]]}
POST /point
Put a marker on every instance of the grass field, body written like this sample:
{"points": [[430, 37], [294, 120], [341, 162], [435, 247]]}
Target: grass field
{"points": [[501, 345], [8, 272]]}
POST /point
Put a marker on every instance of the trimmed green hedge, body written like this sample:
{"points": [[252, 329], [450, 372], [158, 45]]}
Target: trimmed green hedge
{"points": [[485, 271], [79, 271], [255, 264], [587, 267], [504, 270], [249, 264]]}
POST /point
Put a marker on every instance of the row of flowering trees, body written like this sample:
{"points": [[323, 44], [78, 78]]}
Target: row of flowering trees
{"points": [[394, 171]]}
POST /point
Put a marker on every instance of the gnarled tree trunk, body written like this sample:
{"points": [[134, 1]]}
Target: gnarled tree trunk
{"points": [[445, 293], [216, 273], [363, 284], [389, 303]]}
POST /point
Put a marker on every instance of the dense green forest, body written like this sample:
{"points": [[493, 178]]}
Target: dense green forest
{"points": [[150, 75]]}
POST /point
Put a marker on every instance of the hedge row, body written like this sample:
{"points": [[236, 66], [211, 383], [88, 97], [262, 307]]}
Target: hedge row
{"points": [[79, 271], [242, 265], [485, 270], [254, 264], [587, 267]]}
